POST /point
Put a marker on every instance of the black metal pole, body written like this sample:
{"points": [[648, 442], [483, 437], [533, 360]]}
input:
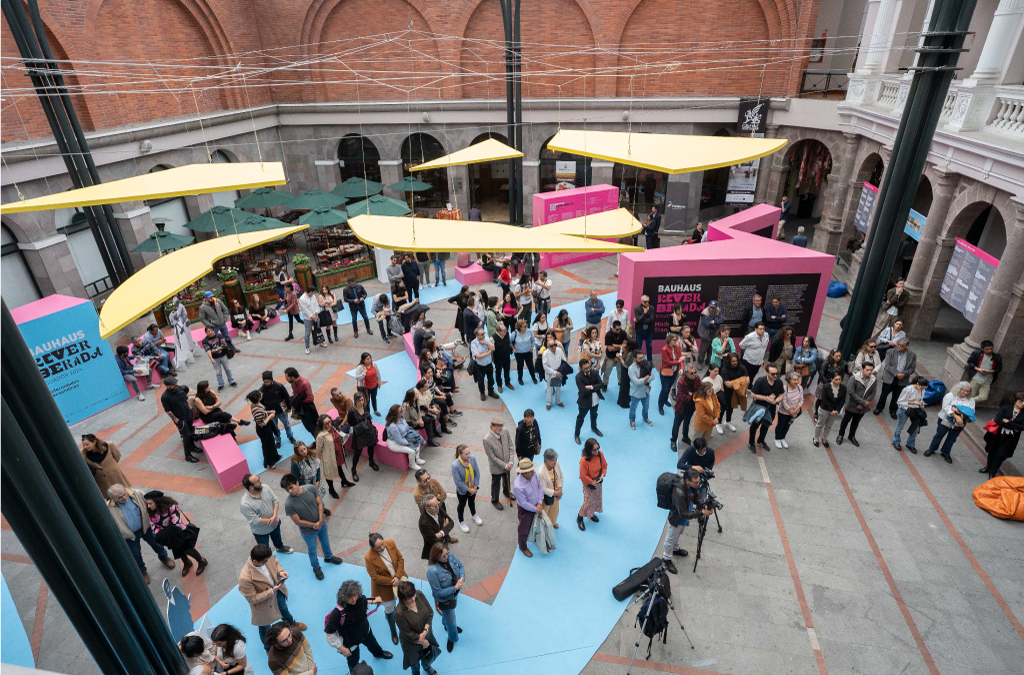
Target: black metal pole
{"points": [[942, 45], [517, 70], [510, 117], [51, 501]]}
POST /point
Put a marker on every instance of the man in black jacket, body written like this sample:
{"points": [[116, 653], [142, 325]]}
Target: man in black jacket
{"points": [[697, 457], [175, 403], [411, 276], [643, 318], [502, 356], [275, 398], [528, 436], [983, 365], [588, 382], [422, 334], [775, 316], [684, 509], [345, 631], [355, 295]]}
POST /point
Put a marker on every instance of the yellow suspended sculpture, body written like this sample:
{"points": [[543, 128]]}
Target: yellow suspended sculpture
{"points": [[669, 153], [490, 150], [183, 180], [161, 279]]}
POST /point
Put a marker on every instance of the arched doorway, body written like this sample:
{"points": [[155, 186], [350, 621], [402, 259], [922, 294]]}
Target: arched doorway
{"points": [[810, 164], [912, 232], [227, 197], [417, 149], [563, 170], [19, 285], [359, 158], [489, 181], [988, 232], [172, 212], [714, 187]]}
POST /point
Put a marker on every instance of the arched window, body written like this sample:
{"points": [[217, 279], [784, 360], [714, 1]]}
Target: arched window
{"points": [[227, 197], [563, 170], [359, 158], [19, 285], [417, 149]]}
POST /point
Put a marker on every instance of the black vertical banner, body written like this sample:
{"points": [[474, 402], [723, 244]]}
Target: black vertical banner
{"points": [[753, 116]]}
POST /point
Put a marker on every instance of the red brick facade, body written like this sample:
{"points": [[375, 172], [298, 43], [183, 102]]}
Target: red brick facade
{"points": [[398, 50]]}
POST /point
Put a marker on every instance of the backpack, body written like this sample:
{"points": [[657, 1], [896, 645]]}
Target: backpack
{"points": [[655, 611], [667, 482], [328, 616]]}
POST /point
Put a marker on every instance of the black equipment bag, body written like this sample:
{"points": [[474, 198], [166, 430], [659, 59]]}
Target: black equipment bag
{"points": [[636, 580], [653, 618], [205, 432], [667, 482]]}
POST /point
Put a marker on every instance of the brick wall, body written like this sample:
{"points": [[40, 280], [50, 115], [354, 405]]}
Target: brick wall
{"points": [[306, 51]]}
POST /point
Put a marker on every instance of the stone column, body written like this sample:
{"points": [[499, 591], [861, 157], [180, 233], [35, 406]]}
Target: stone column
{"points": [[328, 173], [135, 226], [773, 193], [458, 188], [53, 266], [764, 168], [1010, 342], [997, 301], [531, 179], [390, 173], [828, 234], [926, 272]]}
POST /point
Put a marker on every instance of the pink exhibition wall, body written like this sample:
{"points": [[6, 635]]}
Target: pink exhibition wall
{"points": [[553, 207], [730, 267]]}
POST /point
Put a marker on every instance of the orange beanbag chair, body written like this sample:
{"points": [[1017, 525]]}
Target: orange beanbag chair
{"points": [[1002, 496]]}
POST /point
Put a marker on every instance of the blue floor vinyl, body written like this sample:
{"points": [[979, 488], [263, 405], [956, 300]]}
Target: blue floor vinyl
{"points": [[14, 645]]}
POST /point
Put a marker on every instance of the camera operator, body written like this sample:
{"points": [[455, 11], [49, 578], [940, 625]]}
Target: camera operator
{"points": [[698, 457], [685, 505]]}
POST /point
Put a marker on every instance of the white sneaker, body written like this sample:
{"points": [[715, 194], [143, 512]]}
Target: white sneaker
{"points": [[463, 526], [141, 397], [477, 520], [784, 443], [153, 385], [732, 427], [719, 429], [778, 444], [421, 462], [248, 336], [307, 350]]}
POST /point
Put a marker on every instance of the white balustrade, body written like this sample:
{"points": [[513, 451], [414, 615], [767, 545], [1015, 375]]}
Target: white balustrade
{"points": [[1009, 118], [888, 94]]}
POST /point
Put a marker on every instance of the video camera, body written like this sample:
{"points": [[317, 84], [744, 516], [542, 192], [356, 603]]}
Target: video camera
{"points": [[705, 497]]}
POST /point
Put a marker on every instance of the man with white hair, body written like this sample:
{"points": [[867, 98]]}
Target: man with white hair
{"points": [[128, 509], [799, 239]]}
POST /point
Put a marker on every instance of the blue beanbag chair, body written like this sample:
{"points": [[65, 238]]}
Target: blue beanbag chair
{"points": [[935, 391], [836, 289]]}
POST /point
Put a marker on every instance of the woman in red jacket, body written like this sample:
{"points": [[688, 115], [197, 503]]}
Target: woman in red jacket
{"points": [[593, 469], [671, 359]]}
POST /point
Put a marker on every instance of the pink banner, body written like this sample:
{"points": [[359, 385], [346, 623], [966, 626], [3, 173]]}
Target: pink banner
{"points": [[552, 207]]}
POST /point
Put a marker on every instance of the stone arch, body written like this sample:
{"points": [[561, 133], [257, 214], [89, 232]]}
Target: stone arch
{"points": [[974, 197], [355, 147], [923, 196], [420, 147]]}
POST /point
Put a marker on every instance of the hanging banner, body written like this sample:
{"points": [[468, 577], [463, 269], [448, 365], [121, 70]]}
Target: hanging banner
{"points": [[753, 116], [743, 181], [967, 278], [862, 219], [565, 175], [915, 223]]}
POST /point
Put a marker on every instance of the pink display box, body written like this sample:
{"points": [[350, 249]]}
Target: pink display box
{"points": [[381, 453], [729, 267], [473, 275], [225, 458], [553, 207]]}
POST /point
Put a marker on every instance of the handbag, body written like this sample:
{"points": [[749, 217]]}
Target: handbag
{"points": [[318, 335], [992, 427], [271, 312], [229, 350], [803, 369], [447, 605], [667, 372]]}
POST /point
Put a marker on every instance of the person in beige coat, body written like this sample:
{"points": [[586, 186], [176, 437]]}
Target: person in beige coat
{"points": [[499, 448], [261, 583], [386, 567], [102, 458], [551, 479], [126, 504], [330, 446]]}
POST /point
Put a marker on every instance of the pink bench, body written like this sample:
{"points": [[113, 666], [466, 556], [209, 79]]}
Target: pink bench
{"points": [[225, 458], [411, 350], [473, 275], [198, 334], [382, 453]]}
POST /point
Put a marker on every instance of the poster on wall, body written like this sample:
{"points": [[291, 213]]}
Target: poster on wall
{"points": [[862, 219], [797, 292], [967, 278], [78, 365], [565, 175], [915, 223]]}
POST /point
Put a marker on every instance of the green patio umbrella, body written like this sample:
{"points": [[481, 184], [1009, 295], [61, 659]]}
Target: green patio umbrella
{"points": [[410, 184], [161, 242], [323, 217], [254, 223], [379, 205], [264, 198], [357, 188], [315, 199], [217, 219]]}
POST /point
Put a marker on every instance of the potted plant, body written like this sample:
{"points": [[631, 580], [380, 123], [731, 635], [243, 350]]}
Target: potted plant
{"points": [[232, 291], [303, 275]]}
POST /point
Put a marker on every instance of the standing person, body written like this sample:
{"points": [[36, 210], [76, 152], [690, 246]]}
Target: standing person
{"points": [[411, 276], [306, 509], [302, 400], [175, 404], [274, 398], [386, 567], [524, 294], [594, 309], [671, 360], [984, 365], [613, 341], [698, 235], [799, 239], [553, 359], [346, 627], [364, 434], [240, 319], [423, 260], [414, 617], [553, 482], [307, 468], [684, 509], [790, 407], [217, 349], [331, 448], [766, 391], [868, 353], [684, 407], [754, 314], [640, 374], [435, 524], [862, 389], [721, 346], [481, 350], [173, 529], [309, 308], [291, 306], [889, 338], [522, 345], [830, 400], [503, 357], [529, 500], [782, 350], [593, 469], [394, 271], [290, 652], [440, 274], [1000, 445], [708, 409], [490, 318], [213, 313], [466, 475], [281, 280], [128, 509], [381, 310], [355, 295], [402, 438], [626, 357], [261, 583], [775, 317], [784, 216], [898, 369], [446, 577], [910, 406], [102, 458], [528, 441], [643, 322], [734, 390], [590, 388], [125, 364], [711, 319], [259, 507], [562, 330], [651, 228], [957, 410], [368, 381], [499, 450], [543, 287], [426, 485], [265, 428], [833, 365], [620, 314], [328, 316], [805, 360], [531, 264], [896, 298]]}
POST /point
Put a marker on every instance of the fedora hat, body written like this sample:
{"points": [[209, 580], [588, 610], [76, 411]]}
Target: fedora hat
{"points": [[526, 464]]}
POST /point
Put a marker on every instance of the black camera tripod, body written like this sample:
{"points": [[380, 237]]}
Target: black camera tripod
{"points": [[653, 590], [702, 528]]}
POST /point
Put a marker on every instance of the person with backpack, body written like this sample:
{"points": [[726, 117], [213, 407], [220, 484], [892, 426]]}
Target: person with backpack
{"points": [[680, 499], [346, 626]]}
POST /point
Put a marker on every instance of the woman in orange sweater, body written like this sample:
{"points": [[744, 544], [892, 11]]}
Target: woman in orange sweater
{"points": [[593, 469], [707, 408]]}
